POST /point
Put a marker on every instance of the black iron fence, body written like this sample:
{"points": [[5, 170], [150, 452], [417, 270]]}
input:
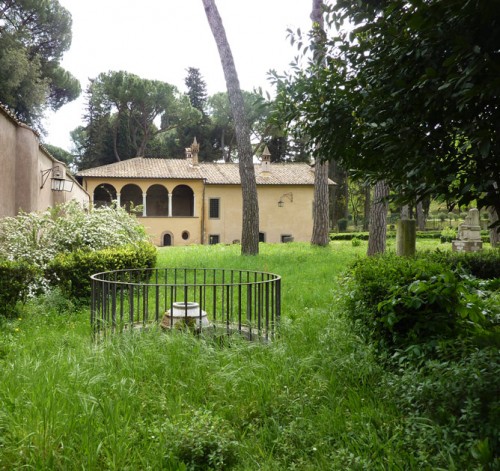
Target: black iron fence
{"points": [[247, 302]]}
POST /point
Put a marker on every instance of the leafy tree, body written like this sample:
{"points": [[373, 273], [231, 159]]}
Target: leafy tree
{"points": [[123, 111], [61, 155], [197, 89], [34, 35], [250, 226], [410, 96], [223, 126]]}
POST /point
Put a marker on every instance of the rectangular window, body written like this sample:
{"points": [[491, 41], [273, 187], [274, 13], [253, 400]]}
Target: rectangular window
{"points": [[214, 208], [286, 238], [213, 239]]}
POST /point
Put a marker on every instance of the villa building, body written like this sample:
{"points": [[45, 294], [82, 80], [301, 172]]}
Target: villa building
{"points": [[185, 201]]}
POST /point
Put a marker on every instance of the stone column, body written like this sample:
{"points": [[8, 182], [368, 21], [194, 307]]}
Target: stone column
{"points": [[118, 200], [144, 210], [169, 205], [194, 205]]}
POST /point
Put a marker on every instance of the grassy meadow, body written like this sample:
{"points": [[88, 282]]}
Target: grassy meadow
{"points": [[314, 399]]}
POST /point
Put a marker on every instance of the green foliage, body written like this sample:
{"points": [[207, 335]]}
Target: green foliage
{"points": [[448, 234], [15, 279], [33, 37], [36, 238], [355, 242], [121, 114], [316, 398], [484, 264], [397, 301], [342, 224], [407, 108], [203, 441], [452, 406], [71, 271]]}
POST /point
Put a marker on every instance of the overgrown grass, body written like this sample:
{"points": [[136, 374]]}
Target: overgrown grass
{"points": [[311, 400]]}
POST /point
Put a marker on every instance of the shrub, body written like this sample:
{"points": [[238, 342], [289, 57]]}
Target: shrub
{"points": [[342, 224], [37, 238], [448, 234], [205, 441], [72, 271], [484, 264], [399, 301], [453, 406], [15, 279], [355, 242]]}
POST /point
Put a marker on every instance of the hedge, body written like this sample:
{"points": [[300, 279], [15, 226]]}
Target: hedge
{"points": [[485, 237], [15, 279], [72, 271]]}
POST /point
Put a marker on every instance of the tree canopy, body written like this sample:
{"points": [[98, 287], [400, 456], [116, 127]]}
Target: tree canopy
{"points": [[410, 95], [34, 34], [125, 113]]}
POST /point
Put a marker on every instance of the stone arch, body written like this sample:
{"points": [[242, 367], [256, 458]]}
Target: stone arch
{"points": [[157, 200], [182, 201], [104, 195], [131, 197]]}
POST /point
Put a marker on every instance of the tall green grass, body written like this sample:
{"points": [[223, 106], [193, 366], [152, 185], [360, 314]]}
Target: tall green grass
{"points": [[310, 400]]}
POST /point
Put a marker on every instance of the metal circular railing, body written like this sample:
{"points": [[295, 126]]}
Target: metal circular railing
{"points": [[247, 302]]}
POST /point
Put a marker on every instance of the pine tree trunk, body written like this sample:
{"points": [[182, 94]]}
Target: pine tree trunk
{"points": [[378, 219], [250, 224], [494, 231], [321, 226], [339, 193], [321, 211], [367, 206]]}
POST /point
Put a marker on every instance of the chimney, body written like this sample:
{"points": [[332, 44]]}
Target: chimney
{"points": [[265, 161], [195, 148]]}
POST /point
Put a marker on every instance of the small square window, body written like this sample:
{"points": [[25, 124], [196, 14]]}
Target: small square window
{"points": [[214, 208], [213, 239]]}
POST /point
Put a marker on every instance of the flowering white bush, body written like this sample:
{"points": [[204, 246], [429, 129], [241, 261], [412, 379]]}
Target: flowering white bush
{"points": [[38, 237]]}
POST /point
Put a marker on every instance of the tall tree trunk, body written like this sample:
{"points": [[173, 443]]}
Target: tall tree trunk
{"points": [[367, 206], [378, 219], [321, 226], [250, 224], [420, 216], [321, 212], [494, 231], [339, 194]]}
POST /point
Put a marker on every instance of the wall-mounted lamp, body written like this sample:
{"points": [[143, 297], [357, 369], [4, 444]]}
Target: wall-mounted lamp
{"points": [[289, 195], [58, 179]]}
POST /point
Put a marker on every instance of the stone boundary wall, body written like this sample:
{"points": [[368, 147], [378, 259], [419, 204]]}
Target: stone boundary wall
{"points": [[22, 161]]}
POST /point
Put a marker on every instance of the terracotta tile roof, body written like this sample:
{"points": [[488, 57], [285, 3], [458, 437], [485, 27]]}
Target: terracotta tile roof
{"points": [[214, 173]]}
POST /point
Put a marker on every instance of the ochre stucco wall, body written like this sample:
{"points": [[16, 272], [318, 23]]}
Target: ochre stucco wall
{"points": [[294, 218]]}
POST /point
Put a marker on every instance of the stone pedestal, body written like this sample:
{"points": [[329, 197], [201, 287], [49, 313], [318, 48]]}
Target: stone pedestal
{"points": [[466, 245], [185, 315], [469, 234]]}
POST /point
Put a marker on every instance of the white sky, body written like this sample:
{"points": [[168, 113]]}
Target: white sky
{"points": [[160, 39]]}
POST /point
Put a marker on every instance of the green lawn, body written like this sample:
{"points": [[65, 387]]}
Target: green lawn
{"points": [[312, 400]]}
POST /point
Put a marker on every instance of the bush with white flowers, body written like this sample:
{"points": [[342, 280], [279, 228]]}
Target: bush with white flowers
{"points": [[37, 238]]}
